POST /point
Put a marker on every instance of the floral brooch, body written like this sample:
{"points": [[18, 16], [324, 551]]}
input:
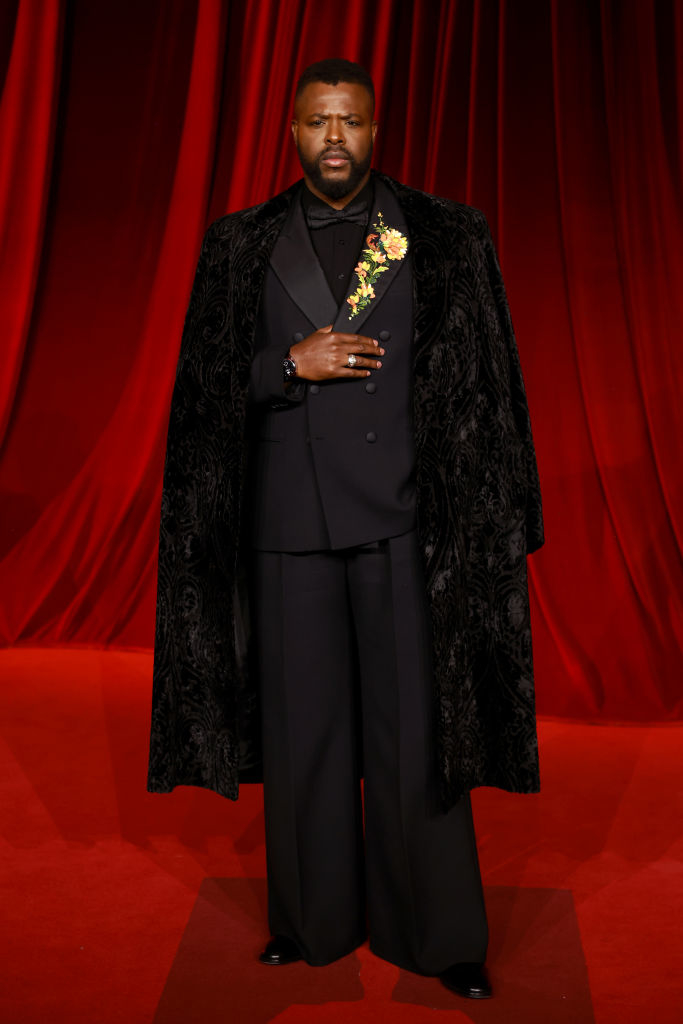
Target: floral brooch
{"points": [[385, 245]]}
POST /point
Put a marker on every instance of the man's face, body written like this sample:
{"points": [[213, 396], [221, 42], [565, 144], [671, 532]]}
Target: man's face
{"points": [[334, 133]]}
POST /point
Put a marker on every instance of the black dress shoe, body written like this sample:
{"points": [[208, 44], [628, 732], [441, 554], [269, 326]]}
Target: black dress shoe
{"points": [[280, 951], [468, 980]]}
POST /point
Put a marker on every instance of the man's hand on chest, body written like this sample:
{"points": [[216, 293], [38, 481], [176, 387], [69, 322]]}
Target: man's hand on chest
{"points": [[324, 355]]}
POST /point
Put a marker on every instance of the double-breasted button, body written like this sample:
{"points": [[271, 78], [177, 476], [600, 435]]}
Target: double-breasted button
{"points": [[371, 387], [371, 437], [384, 335], [298, 336], [314, 389]]}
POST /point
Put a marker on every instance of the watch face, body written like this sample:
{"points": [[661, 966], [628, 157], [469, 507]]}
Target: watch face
{"points": [[289, 368]]}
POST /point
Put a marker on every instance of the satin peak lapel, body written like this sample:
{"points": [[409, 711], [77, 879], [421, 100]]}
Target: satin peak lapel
{"points": [[294, 261], [386, 203]]}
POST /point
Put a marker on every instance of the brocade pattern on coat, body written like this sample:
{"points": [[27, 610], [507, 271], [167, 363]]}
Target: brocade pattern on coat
{"points": [[478, 509]]}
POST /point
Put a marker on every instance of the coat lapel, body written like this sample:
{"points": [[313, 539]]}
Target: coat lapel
{"points": [[438, 262], [244, 247], [294, 261], [386, 204]]}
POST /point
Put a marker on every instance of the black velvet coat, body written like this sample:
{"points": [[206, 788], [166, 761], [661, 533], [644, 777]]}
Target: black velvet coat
{"points": [[478, 509]]}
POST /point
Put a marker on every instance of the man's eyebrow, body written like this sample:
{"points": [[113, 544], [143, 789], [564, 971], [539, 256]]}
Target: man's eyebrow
{"points": [[344, 117]]}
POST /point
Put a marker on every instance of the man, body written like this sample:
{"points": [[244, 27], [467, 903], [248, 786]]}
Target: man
{"points": [[349, 455]]}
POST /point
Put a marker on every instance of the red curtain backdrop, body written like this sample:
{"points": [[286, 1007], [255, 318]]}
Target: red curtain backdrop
{"points": [[125, 128]]}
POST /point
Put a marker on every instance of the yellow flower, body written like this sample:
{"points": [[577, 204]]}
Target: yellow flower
{"points": [[383, 244], [395, 245]]}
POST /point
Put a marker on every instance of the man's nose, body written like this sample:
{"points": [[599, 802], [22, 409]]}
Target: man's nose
{"points": [[335, 133]]}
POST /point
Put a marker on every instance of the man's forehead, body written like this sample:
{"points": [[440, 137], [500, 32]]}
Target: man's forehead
{"points": [[343, 98]]}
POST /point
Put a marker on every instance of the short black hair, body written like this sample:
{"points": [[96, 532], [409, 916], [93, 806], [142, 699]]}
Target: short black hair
{"points": [[333, 71]]}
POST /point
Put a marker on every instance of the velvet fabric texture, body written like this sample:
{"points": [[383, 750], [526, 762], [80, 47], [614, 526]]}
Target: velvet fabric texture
{"points": [[478, 509]]}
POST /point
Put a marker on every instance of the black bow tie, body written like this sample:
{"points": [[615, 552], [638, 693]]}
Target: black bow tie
{"points": [[355, 212]]}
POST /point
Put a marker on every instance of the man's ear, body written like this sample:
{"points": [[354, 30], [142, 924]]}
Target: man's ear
{"points": [[374, 130], [295, 131]]}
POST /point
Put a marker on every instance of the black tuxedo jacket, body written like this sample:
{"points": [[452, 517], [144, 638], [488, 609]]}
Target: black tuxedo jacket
{"points": [[477, 503], [332, 463]]}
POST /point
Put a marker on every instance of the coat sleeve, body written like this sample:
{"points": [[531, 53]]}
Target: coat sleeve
{"points": [[534, 513], [192, 741]]}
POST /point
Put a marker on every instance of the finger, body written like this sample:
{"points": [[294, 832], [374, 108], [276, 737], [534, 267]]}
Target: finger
{"points": [[367, 347], [362, 361], [362, 338], [373, 347], [354, 339]]}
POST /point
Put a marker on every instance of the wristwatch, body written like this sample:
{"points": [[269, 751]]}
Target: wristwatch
{"points": [[288, 367]]}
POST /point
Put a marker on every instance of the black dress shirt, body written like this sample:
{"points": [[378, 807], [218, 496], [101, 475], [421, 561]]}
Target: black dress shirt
{"points": [[338, 245]]}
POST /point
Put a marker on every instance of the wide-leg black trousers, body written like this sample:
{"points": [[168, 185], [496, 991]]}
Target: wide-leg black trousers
{"points": [[345, 681]]}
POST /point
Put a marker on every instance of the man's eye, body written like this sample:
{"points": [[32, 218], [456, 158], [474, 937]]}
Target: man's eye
{"points": [[314, 124], [354, 124]]}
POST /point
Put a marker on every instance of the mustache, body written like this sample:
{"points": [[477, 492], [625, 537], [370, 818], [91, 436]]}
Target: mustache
{"points": [[335, 151]]}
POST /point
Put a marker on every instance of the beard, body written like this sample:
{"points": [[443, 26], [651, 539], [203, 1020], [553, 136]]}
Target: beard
{"points": [[335, 188]]}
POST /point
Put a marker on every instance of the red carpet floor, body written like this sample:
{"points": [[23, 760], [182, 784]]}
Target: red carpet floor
{"points": [[122, 906]]}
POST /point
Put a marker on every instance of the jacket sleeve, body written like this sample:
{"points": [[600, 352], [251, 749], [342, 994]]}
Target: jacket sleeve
{"points": [[266, 381], [534, 513]]}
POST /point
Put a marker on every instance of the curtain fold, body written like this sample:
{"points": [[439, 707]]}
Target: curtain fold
{"points": [[126, 129], [27, 118], [104, 524]]}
